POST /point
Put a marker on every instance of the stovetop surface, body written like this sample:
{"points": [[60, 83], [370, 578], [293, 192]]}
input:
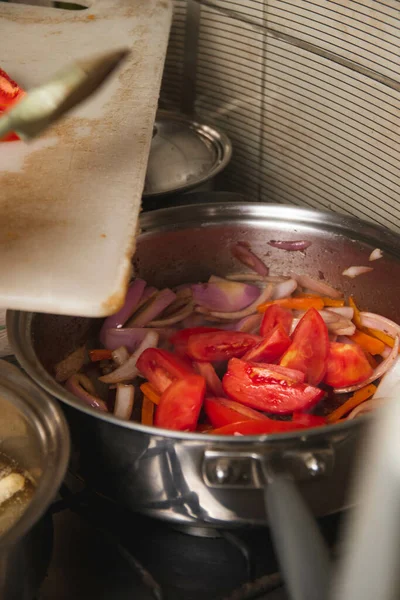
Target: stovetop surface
{"points": [[104, 552]]}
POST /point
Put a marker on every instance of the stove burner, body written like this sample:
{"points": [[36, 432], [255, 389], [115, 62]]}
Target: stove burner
{"points": [[124, 555]]}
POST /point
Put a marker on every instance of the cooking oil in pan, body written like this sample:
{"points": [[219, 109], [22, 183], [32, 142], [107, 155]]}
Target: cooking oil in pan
{"points": [[16, 491]]}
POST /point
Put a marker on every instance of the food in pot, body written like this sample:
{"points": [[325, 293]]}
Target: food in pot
{"points": [[10, 94], [16, 491], [245, 354]]}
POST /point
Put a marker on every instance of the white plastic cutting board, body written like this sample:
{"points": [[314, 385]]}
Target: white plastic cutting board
{"points": [[69, 201]]}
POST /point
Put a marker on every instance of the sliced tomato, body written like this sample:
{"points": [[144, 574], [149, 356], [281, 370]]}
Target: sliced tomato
{"points": [[10, 94], [220, 345], [180, 404], [214, 385], [347, 365], [271, 347], [309, 349], [308, 420], [161, 368], [265, 388], [221, 412], [180, 339], [273, 316], [257, 427]]}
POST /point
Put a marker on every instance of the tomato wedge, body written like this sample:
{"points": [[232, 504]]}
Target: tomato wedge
{"points": [[161, 368], [347, 365], [271, 347], [10, 94], [266, 388], [180, 404], [257, 427], [214, 384], [273, 316], [220, 345], [221, 412], [180, 338], [309, 349]]}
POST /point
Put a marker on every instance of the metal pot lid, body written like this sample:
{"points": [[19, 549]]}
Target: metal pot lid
{"points": [[184, 154]]}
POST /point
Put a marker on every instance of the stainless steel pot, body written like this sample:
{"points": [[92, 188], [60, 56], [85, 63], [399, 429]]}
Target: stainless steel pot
{"points": [[33, 432], [194, 479]]}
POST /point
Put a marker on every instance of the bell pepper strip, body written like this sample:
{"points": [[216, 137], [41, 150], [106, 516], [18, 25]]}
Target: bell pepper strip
{"points": [[268, 388], [294, 304], [150, 393], [330, 302], [346, 365], [383, 337], [10, 94], [221, 412], [180, 404], [214, 385], [309, 349], [147, 411], [368, 343], [271, 347], [273, 316], [257, 427], [357, 398], [356, 316], [308, 420], [161, 368], [100, 354], [220, 345]]}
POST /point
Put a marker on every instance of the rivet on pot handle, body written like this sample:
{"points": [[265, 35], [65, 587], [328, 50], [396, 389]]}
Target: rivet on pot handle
{"points": [[302, 552]]}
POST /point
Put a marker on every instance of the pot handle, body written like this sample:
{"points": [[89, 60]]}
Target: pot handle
{"points": [[301, 549]]}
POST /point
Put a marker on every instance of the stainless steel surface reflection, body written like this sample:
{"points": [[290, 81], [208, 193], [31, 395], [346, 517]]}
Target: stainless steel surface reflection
{"points": [[161, 472]]}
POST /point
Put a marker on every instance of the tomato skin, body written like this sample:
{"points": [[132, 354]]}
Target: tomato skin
{"points": [[257, 385], [161, 368], [221, 412], [220, 345], [309, 349], [346, 365], [180, 404], [257, 427], [308, 420], [271, 347], [10, 94], [180, 339], [273, 316]]}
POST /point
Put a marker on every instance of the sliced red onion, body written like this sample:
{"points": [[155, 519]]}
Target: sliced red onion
{"points": [[284, 289], [132, 299], [128, 371], [389, 384], [344, 311], [337, 324], [376, 254], [225, 296], [288, 245], [353, 272], [250, 324], [386, 351], [214, 384], [129, 337], [374, 321], [314, 285], [365, 407], [242, 252], [250, 310], [185, 312], [380, 370], [81, 386], [149, 292], [120, 355], [124, 399], [154, 308], [256, 278]]}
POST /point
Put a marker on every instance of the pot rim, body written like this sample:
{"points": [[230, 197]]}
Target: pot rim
{"points": [[50, 425], [19, 323]]}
